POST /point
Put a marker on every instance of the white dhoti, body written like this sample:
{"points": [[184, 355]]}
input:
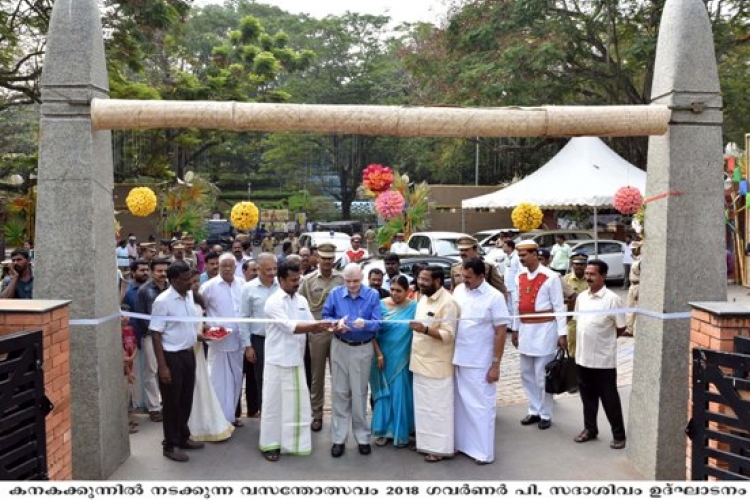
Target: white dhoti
{"points": [[475, 404], [286, 414], [138, 393], [532, 380], [207, 421], [433, 415], [225, 369], [150, 379]]}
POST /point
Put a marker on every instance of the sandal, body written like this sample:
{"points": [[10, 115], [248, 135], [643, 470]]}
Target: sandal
{"points": [[238, 423], [271, 456], [432, 458], [381, 441]]}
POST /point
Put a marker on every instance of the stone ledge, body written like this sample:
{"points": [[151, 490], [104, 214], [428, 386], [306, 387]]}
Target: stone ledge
{"points": [[722, 308], [30, 306]]}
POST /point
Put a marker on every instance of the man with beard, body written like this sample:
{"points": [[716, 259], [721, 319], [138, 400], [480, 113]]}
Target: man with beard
{"points": [[147, 294], [315, 288], [306, 266], [139, 276], [392, 263], [222, 296], [375, 281], [19, 284], [468, 248], [431, 363], [356, 309], [173, 347], [148, 251], [538, 336], [286, 401]]}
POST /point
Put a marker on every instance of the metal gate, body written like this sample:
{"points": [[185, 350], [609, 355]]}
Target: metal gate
{"points": [[23, 407], [721, 434]]}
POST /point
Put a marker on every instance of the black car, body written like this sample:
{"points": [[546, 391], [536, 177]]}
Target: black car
{"points": [[406, 264]]}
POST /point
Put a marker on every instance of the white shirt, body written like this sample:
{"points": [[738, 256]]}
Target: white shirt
{"points": [[627, 255], [254, 296], [512, 268], [497, 258], [400, 248], [123, 258], [484, 308], [560, 256], [175, 336], [387, 280], [596, 334], [222, 299], [540, 339], [283, 346]]}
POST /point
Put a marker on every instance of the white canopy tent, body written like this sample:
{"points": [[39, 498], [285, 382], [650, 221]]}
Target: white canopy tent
{"points": [[586, 172]]}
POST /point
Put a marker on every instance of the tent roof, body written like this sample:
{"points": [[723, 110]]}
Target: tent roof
{"points": [[585, 172]]}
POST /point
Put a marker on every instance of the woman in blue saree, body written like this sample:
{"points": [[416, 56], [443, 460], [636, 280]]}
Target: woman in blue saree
{"points": [[390, 378]]}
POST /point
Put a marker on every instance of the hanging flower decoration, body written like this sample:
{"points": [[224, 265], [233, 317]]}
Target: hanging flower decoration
{"points": [[627, 200], [244, 215], [141, 201], [390, 204], [377, 178], [526, 217]]}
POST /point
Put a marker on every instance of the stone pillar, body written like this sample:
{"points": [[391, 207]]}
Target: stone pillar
{"points": [[683, 256], [75, 233]]}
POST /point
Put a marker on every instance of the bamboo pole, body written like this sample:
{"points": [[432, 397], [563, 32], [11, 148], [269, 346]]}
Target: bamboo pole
{"points": [[547, 121]]}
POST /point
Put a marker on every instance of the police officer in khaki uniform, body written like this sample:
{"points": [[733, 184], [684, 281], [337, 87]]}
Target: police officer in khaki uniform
{"points": [[468, 248]]}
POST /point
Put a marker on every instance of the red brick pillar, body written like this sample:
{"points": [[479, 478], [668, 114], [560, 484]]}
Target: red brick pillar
{"points": [[714, 325], [50, 316]]}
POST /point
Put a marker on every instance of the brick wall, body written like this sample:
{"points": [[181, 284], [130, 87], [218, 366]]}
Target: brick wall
{"points": [[714, 326], [52, 318]]}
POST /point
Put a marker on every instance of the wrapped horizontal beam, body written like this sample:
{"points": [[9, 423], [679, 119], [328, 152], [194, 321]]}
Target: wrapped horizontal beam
{"points": [[546, 121]]}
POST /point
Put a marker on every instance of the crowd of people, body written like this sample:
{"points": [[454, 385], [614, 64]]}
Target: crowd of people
{"points": [[424, 356]]}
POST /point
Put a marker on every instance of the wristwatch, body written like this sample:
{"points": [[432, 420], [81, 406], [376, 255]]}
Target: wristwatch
{"points": [[495, 361]]}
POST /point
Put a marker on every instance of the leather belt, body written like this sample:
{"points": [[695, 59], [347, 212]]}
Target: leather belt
{"points": [[538, 319], [353, 343]]}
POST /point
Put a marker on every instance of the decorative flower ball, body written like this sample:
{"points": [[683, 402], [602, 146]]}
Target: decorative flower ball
{"points": [[627, 200], [141, 201], [526, 217], [389, 204], [377, 178], [244, 215]]}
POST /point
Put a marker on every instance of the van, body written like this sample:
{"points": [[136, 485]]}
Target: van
{"points": [[349, 227]]}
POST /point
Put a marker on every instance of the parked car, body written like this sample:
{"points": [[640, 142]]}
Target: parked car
{"points": [[440, 243], [488, 238], [341, 240], [610, 251], [219, 232], [546, 239], [406, 264]]}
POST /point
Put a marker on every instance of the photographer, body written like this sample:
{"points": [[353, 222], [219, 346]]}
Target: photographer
{"points": [[19, 284]]}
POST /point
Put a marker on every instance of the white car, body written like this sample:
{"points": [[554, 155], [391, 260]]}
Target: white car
{"points": [[341, 240], [610, 251], [487, 239], [440, 243]]}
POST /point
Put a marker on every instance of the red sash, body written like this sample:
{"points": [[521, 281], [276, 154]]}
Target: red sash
{"points": [[355, 255], [527, 293]]}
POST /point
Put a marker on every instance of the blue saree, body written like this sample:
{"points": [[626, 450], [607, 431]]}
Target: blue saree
{"points": [[393, 414]]}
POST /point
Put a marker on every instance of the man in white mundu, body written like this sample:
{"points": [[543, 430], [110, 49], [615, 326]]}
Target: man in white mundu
{"points": [[222, 296], [480, 342], [538, 336], [285, 416]]}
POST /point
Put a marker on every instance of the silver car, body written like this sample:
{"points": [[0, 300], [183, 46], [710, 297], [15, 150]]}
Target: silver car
{"points": [[610, 251]]}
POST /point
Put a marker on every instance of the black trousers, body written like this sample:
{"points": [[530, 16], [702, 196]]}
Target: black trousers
{"points": [[259, 344], [308, 363], [177, 397], [596, 384], [251, 390]]}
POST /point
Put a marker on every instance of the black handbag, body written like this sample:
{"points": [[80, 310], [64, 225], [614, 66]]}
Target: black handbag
{"points": [[560, 374]]}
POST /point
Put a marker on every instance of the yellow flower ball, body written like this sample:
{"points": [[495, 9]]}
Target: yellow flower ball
{"points": [[244, 215], [526, 217], [141, 201]]}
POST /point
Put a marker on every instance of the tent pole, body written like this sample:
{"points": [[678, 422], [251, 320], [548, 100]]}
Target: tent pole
{"points": [[596, 233]]}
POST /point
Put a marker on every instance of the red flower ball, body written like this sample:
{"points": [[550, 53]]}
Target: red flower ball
{"points": [[377, 178], [628, 200]]}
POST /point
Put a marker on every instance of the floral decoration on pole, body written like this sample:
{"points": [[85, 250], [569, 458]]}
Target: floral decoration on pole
{"points": [[527, 217], [244, 215], [390, 204], [377, 178], [627, 200], [141, 201]]}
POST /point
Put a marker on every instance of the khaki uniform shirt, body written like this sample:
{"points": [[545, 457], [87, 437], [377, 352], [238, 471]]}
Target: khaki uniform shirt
{"points": [[576, 286], [491, 274], [431, 357], [315, 288]]}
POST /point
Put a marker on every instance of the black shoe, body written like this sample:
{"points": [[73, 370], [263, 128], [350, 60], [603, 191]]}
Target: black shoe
{"points": [[530, 419], [545, 423], [192, 445], [337, 450], [365, 449]]}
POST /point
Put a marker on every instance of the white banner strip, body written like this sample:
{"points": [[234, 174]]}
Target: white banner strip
{"points": [[222, 319]]}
